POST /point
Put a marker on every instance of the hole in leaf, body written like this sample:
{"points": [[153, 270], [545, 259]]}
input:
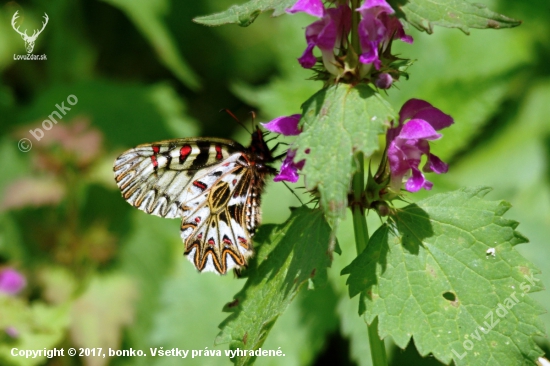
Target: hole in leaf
{"points": [[449, 296]]}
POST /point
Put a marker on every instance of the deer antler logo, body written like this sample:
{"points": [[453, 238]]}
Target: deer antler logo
{"points": [[29, 40]]}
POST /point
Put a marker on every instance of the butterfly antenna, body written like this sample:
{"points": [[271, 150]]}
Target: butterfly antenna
{"points": [[294, 193], [235, 118]]}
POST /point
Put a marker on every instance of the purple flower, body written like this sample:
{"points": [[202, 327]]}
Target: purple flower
{"points": [[326, 33], [407, 142], [377, 29], [11, 281], [311, 7], [289, 169], [287, 126]]}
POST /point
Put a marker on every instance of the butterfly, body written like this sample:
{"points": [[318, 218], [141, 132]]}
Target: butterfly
{"points": [[213, 184]]}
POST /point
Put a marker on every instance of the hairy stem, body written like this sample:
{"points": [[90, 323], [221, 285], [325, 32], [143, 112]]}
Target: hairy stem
{"points": [[377, 349]]}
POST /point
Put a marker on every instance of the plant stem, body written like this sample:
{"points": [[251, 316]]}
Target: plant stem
{"points": [[377, 349], [359, 223], [355, 17]]}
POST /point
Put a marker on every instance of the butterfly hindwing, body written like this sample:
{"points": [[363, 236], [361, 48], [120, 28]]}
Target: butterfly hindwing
{"points": [[214, 227], [214, 185]]}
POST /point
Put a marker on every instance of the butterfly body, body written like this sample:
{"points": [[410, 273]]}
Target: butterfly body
{"points": [[213, 184]]}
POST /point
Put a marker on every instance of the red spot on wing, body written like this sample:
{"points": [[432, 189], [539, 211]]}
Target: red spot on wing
{"points": [[219, 155], [199, 236], [243, 242], [211, 242], [184, 153], [226, 164], [197, 219], [226, 240], [154, 161], [156, 149], [200, 185], [234, 181]]}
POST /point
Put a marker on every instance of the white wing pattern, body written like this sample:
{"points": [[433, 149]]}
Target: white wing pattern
{"points": [[213, 184]]}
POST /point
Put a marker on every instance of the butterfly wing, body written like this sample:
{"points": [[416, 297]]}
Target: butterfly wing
{"points": [[205, 182], [216, 231]]}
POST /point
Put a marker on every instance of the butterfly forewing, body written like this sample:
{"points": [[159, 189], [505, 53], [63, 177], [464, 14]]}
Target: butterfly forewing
{"points": [[214, 185]]}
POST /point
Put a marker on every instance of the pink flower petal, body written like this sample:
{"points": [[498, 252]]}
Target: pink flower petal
{"points": [[420, 109], [286, 125], [289, 169], [417, 181], [435, 117], [398, 161], [436, 165], [418, 129], [308, 59], [375, 7], [371, 33], [311, 7]]}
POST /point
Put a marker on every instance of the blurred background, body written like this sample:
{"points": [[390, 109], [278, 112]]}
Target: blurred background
{"points": [[79, 267]]}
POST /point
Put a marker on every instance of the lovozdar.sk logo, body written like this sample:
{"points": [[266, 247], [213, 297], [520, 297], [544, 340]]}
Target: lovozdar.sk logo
{"points": [[29, 40]]}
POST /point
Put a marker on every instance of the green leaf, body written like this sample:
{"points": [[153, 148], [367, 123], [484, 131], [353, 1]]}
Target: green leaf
{"points": [[147, 16], [428, 274], [289, 255], [245, 14], [424, 14], [338, 122]]}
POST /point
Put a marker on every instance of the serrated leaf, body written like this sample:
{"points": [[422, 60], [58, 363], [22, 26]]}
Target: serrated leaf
{"points": [[289, 255], [245, 14], [338, 122], [430, 275], [424, 14]]}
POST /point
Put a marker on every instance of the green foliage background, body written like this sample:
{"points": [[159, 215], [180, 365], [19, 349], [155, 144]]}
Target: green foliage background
{"points": [[102, 274]]}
